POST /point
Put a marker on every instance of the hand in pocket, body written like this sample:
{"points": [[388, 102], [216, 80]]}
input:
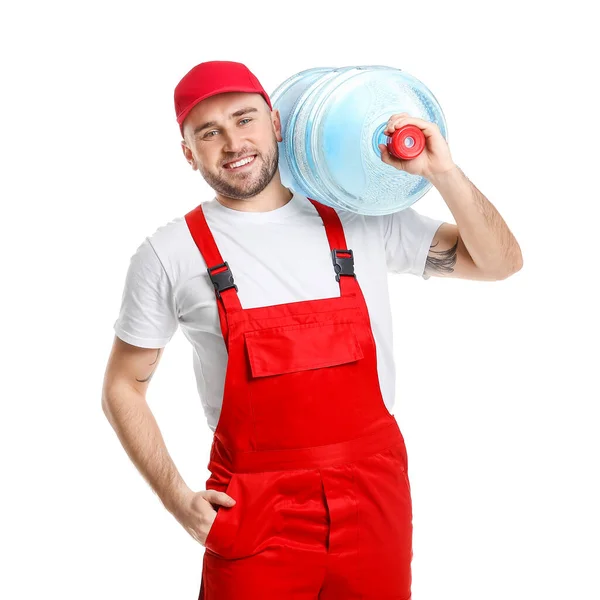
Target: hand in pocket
{"points": [[197, 512]]}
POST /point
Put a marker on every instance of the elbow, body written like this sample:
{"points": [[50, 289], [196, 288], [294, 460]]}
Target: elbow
{"points": [[517, 262], [105, 404], [517, 259], [518, 265], [109, 400], [513, 267], [117, 398]]}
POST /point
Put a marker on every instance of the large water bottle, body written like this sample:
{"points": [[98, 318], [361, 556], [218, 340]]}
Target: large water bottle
{"points": [[332, 121]]}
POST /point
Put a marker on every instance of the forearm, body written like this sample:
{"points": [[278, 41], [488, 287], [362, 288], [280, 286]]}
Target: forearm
{"points": [[135, 425], [486, 236]]}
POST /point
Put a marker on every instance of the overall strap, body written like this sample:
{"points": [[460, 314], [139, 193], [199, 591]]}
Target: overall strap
{"points": [[341, 256], [218, 270]]}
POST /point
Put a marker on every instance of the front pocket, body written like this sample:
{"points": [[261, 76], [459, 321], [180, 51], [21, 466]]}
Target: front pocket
{"points": [[255, 522], [399, 452], [301, 347], [213, 528], [220, 534]]}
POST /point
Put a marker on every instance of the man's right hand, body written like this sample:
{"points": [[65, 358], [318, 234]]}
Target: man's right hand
{"points": [[196, 511]]}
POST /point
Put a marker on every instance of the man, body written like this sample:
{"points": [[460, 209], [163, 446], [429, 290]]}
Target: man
{"points": [[286, 305]]}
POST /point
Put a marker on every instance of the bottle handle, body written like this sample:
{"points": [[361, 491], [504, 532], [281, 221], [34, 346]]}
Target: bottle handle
{"points": [[406, 143]]}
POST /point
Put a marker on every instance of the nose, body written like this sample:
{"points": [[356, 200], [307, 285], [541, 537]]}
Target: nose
{"points": [[234, 142]]}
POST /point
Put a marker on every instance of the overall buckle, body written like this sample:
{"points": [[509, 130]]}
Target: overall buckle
{"points": [[223, 280], [343, 265]]}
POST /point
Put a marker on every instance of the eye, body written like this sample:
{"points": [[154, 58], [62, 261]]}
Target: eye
{"points": [[208, 134]]}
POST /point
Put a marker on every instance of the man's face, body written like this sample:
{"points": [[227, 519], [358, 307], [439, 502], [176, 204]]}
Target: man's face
{"points": [[225, 128]]}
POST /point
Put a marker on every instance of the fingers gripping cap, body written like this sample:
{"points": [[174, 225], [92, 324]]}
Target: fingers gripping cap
{"points": [[211, 78]]}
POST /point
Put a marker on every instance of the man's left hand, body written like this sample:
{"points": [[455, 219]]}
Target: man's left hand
{"points": [[435, 158]]}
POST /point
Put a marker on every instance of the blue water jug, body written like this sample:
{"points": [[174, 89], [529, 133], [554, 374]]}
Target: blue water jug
{"points": [[332, 121]]}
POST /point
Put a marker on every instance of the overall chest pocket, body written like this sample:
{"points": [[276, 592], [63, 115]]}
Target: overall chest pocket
{"points": [[294, 348]]}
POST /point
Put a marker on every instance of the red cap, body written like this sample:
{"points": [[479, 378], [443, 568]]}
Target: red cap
{"points": [[397, 143], [211, 78]]}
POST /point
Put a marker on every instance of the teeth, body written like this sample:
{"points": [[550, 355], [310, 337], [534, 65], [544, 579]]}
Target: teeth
{"points": [[244, 161]]}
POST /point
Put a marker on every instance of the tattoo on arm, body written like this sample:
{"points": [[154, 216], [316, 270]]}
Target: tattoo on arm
{"points": [[444, 262], [147, 379]]}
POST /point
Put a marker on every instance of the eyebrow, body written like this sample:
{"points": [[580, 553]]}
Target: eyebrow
{"points": [[237, 113]]}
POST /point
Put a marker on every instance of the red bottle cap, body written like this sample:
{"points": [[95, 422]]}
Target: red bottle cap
{"points": [[398, 147]]}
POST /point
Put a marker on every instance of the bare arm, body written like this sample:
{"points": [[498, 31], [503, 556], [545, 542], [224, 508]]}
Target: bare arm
{"points": [[448, 257], [128, 374], [480, 245]]}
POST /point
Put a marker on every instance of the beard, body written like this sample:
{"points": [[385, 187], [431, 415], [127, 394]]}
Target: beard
{"points": [[246, 185]]}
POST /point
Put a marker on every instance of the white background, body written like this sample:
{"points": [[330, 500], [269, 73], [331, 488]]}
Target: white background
{"points": [[497, 386]]}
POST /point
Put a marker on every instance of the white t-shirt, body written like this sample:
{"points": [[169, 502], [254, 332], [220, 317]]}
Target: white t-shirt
{"points": [[276, 257]]}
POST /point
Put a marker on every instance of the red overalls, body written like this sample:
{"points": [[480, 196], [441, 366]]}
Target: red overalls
{"points": [[306, 446]]}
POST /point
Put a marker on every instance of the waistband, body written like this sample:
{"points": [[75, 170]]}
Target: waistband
{"points": [[318, 456]]}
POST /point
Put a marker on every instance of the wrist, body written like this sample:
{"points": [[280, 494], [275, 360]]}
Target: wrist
{"points": [[176, 497], [440, 177]]}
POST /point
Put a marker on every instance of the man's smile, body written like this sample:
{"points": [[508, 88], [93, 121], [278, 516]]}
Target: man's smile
{"points": [[240, 164]]}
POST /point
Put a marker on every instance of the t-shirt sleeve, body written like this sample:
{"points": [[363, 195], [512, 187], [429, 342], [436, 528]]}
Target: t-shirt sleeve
{"points": [[407, 236], [148, 315]]}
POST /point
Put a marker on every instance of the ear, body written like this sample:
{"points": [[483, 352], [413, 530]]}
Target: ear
{"points": [[276, 117], [188, 154]]}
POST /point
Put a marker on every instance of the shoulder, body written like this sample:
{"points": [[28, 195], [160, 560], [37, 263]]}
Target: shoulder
{"points": [[407, 217], [165, 236], [172, 242], [168, 254], [353, 221]]}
